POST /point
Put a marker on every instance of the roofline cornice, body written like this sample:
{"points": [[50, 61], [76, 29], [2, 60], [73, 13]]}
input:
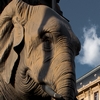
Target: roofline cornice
{"points": [[89, 73]]}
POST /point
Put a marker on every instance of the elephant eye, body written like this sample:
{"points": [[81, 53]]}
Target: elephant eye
{"points": [[47, 45]]}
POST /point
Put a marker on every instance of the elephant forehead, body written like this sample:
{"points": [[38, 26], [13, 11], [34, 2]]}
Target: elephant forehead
{"points": [[51, 24], [45, 20]]}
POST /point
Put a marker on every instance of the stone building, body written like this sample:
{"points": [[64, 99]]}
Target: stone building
{"points": [[88, 86]]}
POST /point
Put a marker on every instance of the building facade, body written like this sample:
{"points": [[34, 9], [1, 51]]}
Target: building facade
{"points": [[88, 86]]}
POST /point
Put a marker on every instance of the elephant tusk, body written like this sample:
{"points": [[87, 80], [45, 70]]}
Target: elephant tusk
{"points": [[58, 97], [54, 94], [50, 91]]}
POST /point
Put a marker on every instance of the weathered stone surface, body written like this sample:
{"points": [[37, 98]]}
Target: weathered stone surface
{"points": [[37, 51]]}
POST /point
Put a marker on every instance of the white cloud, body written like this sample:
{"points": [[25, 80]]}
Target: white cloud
{"points": [[90, 50]]}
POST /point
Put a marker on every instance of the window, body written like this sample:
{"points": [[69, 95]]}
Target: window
{"points": [[96, 95]]}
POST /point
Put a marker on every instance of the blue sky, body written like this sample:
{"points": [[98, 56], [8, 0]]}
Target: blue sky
{"points": [[84, 16]]}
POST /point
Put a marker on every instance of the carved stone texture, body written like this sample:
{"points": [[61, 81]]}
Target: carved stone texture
{"points": [[37, 51]]}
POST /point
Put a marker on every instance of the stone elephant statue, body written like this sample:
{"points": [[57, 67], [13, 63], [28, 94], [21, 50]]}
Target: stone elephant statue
{"points": [[37, 52]]}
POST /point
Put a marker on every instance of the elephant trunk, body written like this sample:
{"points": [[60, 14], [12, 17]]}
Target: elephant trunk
{"points": [[64, 72], [66, 84]]}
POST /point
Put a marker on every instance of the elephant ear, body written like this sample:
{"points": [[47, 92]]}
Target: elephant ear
{"points": [[10, 51], [6, 42], [11, 36]]}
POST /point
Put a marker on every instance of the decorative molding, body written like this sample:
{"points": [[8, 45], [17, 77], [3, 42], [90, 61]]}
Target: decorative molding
{"points": [[90, 89], [90, 85]]}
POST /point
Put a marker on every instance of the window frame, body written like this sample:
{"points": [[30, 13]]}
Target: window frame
{"points": [[96, 95]]}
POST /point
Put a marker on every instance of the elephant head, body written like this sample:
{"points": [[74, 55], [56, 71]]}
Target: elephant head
{"points": [[42, 53]]}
